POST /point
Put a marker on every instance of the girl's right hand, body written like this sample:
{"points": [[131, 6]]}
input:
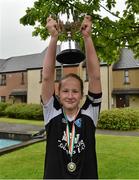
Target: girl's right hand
{"points": [[52, 26]]}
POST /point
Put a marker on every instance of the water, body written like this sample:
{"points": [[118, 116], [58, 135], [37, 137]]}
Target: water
{"points": [[8, 142]]}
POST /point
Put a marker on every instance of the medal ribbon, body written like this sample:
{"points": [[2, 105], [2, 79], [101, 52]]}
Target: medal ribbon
{"points": [[70, 140]]}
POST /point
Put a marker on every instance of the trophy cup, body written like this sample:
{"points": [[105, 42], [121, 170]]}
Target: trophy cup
{"points": [[70, 52]]}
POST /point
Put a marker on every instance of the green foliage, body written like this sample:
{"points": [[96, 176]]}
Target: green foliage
{"points": [[3, 106], [119, 119], [25, 111], [109, 36]]}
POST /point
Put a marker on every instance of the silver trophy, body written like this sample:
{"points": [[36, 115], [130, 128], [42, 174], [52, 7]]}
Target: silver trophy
{"points": [[70, 52]]}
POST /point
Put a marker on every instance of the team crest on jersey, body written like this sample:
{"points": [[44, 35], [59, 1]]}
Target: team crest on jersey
{"points": [[78, 122]]}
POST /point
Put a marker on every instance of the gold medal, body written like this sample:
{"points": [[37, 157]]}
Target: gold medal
{"points": [[71, 167]]}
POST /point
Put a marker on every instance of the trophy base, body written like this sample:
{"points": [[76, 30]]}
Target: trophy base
{"points": [[70, 56]]}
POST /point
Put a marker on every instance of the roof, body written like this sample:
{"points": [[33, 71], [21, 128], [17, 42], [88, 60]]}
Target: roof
{"points": [[1, 62], [126, 61], [22, 63]]}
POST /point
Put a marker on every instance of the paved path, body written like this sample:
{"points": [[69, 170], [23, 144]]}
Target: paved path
{"points": [[118, 133], [23, 128]]}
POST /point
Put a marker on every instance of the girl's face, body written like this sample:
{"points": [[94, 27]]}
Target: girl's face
{"points": [[70, 94]]}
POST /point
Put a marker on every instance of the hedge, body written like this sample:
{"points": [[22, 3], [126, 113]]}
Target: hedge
{"points": [[3, 106], [25, 111], [116, 119], [119, 119]]}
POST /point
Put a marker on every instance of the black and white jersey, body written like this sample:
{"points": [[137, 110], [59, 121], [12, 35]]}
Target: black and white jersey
{"points": [[84, 152]]}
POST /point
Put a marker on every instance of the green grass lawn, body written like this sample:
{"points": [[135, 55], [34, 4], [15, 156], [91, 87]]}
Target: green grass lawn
{"points": [[118, 158], [21, 121], [26, 163]]}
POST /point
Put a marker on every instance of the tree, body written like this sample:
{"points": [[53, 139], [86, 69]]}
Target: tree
{"points": [[109, 36]]}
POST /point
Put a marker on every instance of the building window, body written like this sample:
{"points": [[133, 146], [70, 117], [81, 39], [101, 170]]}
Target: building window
{"points": [[126, 77], [3, 98], [58, 74], [22, 78], [3, 79]]}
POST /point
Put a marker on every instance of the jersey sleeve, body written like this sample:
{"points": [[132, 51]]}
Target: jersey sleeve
{"points": [[92, 106], [51, 109]]}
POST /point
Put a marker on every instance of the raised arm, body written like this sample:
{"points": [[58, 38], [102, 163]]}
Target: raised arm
{"points": [[48, 71], [92, 62]]}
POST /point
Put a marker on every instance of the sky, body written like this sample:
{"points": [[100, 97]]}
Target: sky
{"points": [[16, 39]]}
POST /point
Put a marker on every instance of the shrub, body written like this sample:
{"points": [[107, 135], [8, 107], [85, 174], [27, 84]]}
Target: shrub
{"points": [[3, 106], [119, 119], [25, 111]]}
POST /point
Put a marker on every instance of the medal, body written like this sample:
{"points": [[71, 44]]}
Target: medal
{"points": [[71, 167]]}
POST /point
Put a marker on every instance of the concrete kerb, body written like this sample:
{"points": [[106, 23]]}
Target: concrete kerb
{"points": [[19, 146], [118, 132], [29, 134]]}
